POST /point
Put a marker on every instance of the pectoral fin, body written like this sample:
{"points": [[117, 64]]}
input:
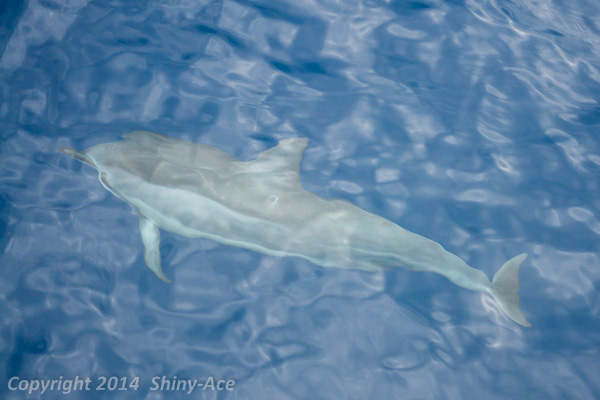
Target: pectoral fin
{"points": [[151, 239]]}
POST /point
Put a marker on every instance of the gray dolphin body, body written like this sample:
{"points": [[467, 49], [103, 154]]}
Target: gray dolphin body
{"points": [[200, 191]]}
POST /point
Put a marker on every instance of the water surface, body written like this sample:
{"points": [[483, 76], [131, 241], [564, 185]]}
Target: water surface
{"points": [[473, 123]]}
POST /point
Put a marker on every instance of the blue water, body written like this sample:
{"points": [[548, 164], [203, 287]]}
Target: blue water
{"points": [[474, 123]]}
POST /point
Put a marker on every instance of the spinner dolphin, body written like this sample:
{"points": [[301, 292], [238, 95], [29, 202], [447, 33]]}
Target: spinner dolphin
{"points": [[200, 191]]}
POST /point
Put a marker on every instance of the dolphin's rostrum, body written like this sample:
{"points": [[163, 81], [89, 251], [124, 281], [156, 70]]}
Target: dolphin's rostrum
{"points": [[200, 191]]}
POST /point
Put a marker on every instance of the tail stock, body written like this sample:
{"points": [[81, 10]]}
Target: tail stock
{"points": [[505, 289]]}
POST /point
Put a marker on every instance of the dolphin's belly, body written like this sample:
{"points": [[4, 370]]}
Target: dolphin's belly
{"points": [[329, 233], [195, 216], [330, 237]]}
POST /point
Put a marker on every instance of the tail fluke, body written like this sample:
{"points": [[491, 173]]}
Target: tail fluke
{"points": [[505, 289]]}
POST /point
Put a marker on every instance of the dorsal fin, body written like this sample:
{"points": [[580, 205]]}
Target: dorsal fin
{"points": [[285, 157]]}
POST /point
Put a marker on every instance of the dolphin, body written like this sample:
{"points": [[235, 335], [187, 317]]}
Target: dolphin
{"points": [[200, 191]]}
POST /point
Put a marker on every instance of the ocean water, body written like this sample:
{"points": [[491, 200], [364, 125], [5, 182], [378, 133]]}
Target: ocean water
{"points": [[474, 123]]}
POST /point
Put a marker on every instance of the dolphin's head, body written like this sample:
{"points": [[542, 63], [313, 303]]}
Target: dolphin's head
{"points": [[78, 154], [96, 156]]}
